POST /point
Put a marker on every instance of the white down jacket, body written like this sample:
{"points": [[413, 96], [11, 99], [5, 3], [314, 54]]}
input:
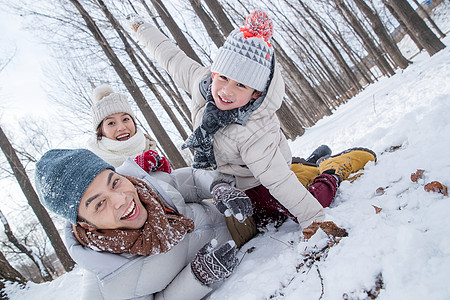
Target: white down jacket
{"points": [[163, 276], [257, 153]]}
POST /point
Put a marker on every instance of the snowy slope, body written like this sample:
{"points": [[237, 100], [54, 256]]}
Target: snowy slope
{"points": [[405, 247]]}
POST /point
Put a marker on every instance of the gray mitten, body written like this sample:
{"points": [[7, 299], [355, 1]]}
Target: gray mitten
{"points": [[231, 201], [213, 264]]}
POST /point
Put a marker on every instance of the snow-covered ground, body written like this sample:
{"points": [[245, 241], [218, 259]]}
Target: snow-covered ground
{"points": [[404, 249]]}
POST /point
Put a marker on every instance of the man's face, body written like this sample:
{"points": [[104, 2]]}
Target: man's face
{"points": [[111, 202], [229, 94]]}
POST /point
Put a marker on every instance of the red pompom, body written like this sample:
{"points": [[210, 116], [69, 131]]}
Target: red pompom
{"points": [[259, 25]]}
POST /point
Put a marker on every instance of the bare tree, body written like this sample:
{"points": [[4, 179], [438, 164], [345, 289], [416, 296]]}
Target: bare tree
{"points": [[175, 30], [8, 273], [33, 200], [385, 39], [209, 24], [45, 274], [428, 17], [416, 25], [367, 40]]}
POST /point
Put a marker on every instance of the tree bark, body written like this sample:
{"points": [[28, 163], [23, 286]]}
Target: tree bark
{"points": [[221, 17], [427, 16], [8, 273], [179, 37], [161, 135], [385, 39], [209, 24], [403, 25], [417, 26], [33, 200]]}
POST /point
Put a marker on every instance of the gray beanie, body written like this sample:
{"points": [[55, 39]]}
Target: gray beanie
{"points": [[106, 103], [62, 177], [246, 56]]}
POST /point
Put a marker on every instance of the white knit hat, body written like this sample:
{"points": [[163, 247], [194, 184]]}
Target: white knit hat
{"points": [[246, 56], [106, 103]]}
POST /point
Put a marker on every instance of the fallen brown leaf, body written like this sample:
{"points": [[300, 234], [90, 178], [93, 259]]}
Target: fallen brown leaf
{"points": [[436, 186], [377, 209], [418, 175]]}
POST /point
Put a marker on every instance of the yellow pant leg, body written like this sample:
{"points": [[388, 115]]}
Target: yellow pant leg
{"points": [[305, 173]]}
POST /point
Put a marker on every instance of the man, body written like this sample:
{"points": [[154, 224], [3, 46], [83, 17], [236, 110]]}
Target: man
{"points": [[153, 238]]}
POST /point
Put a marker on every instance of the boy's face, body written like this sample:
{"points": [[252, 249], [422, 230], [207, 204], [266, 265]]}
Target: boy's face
{"points": [[111, 202], [118, 127], [229, 94]]}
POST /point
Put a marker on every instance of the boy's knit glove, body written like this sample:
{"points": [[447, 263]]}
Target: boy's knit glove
{"points": [[150, 161], [134, 21], [213, 264], [231, 201]]}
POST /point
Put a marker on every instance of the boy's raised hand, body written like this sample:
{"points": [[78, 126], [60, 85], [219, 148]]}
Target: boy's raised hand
{"points": [[134, 21], [231, 201], [212, 263]]}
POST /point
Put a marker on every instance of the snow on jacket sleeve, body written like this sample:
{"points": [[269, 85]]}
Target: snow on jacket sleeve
{"points": [[180, 67], [267, 163]]}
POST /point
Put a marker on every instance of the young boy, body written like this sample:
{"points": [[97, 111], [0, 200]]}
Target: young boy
{"points": [[135, 236], [234, 104]]}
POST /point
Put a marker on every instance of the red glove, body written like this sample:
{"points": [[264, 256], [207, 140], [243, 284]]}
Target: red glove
{"points": [[150, 161]]}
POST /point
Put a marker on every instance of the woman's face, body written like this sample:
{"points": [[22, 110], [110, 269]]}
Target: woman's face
{"points": [[118, 127]]}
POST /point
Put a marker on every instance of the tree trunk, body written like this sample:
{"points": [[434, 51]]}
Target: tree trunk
{"points": [[385, 39], [45, 274], [221, 17], [368, 42], [427, 16], [209, 24], [8, 273], [179, 37], [403, 25], [155, 91], [291, 128], [417, 26], [33, 200], [161, 135]]}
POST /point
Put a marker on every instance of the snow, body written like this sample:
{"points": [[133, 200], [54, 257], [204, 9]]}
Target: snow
{"points": [[407, 244]]}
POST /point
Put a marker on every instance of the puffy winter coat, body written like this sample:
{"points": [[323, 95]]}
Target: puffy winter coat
{"points": [[257, 153], [163, 276]]}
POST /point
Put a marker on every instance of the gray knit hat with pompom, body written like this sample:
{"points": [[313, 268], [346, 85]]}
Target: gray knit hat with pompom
{"points": [[106, 103], [62, 177], [247, 56]]}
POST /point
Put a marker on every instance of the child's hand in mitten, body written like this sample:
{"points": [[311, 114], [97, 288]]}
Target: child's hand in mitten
{"points": [[150, 161], [134, 21], [212, 263]]}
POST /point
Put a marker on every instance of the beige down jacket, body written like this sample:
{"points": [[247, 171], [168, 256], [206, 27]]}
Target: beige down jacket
{"points": [[257, 153]]}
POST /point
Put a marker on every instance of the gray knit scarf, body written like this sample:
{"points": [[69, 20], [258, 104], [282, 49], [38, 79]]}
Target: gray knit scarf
{"points": [[201, 140]]}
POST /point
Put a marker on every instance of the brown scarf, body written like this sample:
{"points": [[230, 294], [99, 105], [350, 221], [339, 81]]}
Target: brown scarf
{"points": [[163, 229]]}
